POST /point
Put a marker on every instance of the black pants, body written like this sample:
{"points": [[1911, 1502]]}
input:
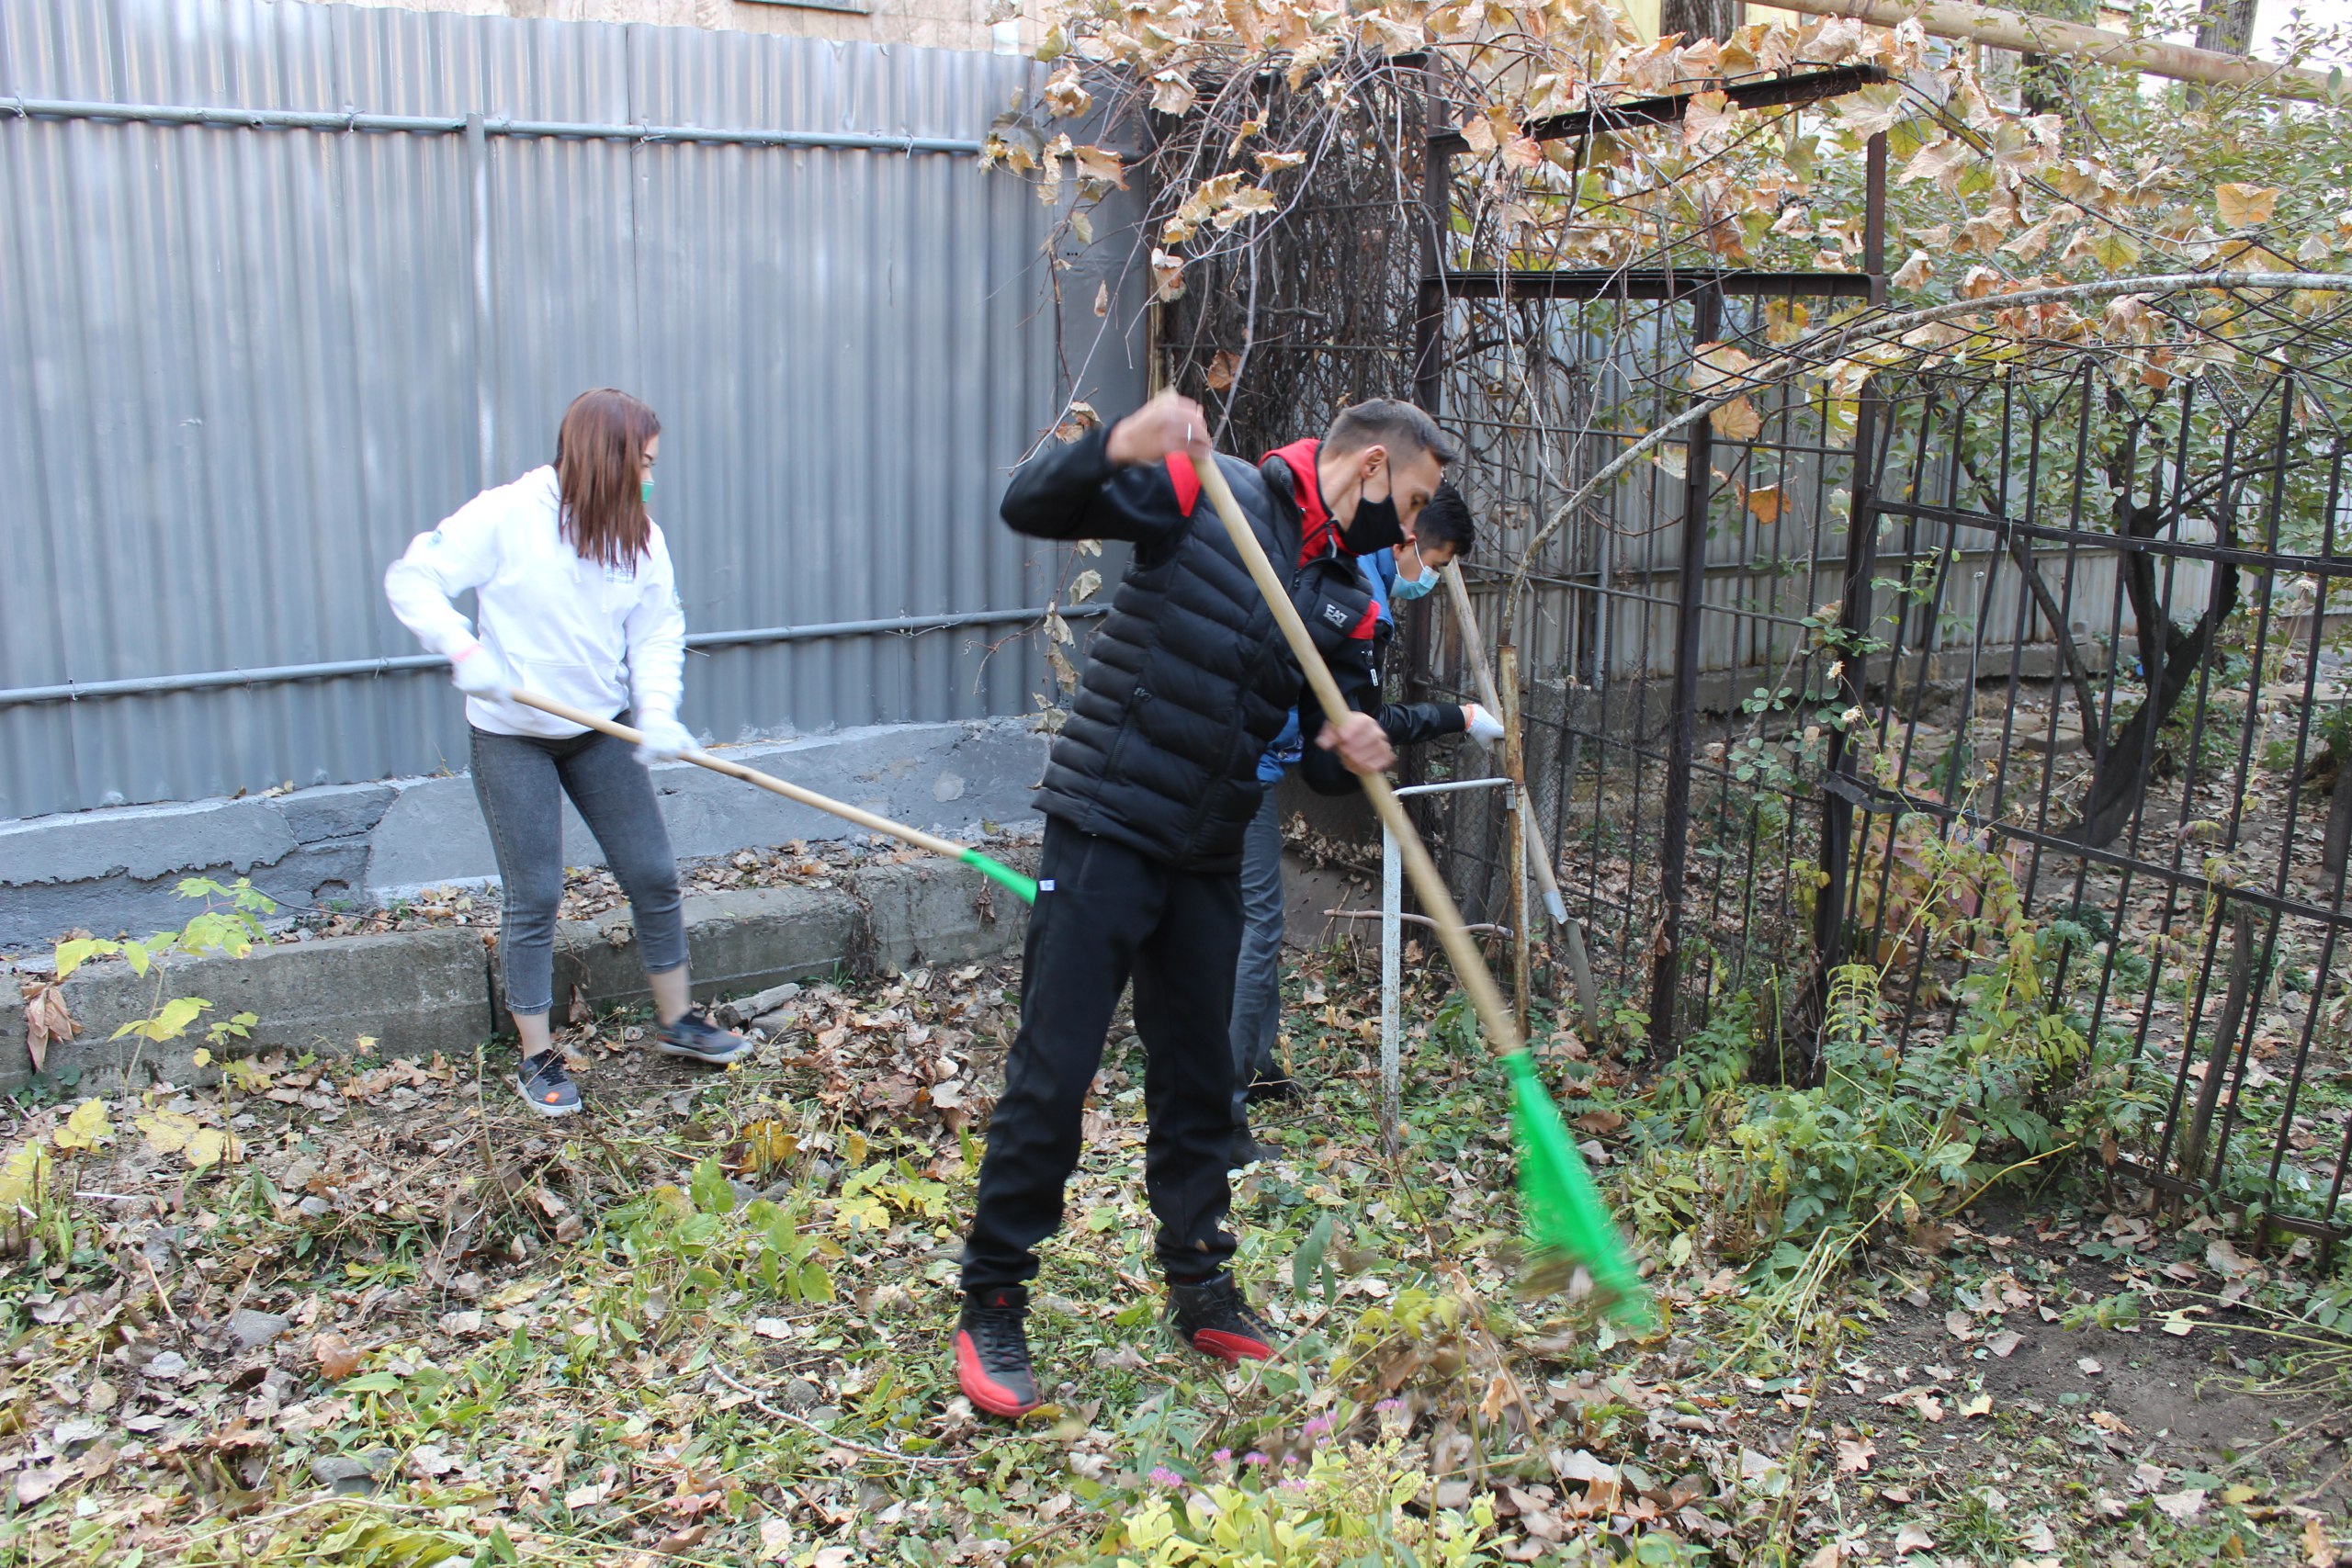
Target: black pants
{"points": [[1106, 914]]}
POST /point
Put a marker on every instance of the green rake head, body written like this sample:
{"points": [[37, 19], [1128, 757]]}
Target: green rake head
{"points": [[996, 869], [1566, 1218]]}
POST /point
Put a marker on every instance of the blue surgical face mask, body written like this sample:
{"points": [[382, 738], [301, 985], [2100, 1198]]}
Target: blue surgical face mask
{"points": [[645, 490], [1407, 589]]}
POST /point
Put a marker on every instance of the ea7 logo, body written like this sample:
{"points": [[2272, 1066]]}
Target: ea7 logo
{"points": [[1336, 615]]}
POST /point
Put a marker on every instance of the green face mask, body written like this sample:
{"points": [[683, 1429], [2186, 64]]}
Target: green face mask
{"points": [[645, 492]]}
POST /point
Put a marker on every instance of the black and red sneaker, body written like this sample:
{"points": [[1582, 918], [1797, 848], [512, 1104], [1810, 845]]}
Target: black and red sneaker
{"points": [[992, 1351], [1214, 1318]]}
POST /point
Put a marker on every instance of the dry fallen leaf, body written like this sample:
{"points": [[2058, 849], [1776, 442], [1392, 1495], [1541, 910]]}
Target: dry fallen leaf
{"points": [[46, 1020], [1854, 1455], [1222, 370], [1911, 1538], [337, 1358], [2183, 1505], [1980, 1405], [2317, 1549], [2005, 1342]]}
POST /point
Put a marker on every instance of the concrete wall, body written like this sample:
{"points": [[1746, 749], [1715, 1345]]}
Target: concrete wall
{"points": [[356, 845], [414, 992]]}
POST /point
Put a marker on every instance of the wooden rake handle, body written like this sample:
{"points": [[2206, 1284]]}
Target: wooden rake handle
{"points": [[1474, 648], [768, 782], [1485, 998]]}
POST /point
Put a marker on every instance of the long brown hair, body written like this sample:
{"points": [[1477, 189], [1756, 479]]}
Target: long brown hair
{"points": [[600, 469]]}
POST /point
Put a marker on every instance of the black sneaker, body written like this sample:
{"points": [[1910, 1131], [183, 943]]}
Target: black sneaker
{"points": [[992, 1352], [1270, 1086], [545, 1087], [698, 1039], [1212, 1318], [1246, 1150]]}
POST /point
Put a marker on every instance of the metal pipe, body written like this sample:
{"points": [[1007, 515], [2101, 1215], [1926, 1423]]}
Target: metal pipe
{"points": [[1448, 787], [448, 125], [1391, 924], [279, 674]]}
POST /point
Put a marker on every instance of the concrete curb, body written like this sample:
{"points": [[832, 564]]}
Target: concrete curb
{"points": [[416, 992], [362, 845]]}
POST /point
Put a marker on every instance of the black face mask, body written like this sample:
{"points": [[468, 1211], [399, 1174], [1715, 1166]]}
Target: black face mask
{"points": [[1375, 526]]}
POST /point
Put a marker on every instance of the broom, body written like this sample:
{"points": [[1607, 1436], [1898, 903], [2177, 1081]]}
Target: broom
{"points": [[993, 869], [1564, 1214]]}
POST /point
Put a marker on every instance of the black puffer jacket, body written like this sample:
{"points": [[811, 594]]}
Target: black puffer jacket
{"points": [[1188, 678]]}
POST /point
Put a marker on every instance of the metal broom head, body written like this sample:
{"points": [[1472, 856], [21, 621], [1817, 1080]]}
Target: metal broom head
{"points": [[1564, 1216]]}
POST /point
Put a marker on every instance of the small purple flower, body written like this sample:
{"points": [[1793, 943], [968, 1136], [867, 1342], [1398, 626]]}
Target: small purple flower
{"points": [[1294, 1483], [1320, 1427], [1386, 1405], [1223, 1456], [1163, 1476], [1253, 1457]]}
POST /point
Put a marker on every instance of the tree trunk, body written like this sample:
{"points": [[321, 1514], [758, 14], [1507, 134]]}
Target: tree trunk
{"points": [[2170, 658], [2227, 26], [1695, 19]]}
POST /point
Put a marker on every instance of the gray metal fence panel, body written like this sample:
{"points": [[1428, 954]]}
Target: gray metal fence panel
{"points": [[253, 362]]}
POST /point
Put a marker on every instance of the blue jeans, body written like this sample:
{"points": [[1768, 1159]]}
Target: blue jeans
{"points": [[1258, 977], [521, 781]]}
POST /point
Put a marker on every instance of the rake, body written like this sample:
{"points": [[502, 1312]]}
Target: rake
{"points": [[1564, 1214], [995, 870]]}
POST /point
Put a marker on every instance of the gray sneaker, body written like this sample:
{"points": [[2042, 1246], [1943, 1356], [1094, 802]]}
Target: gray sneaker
{"points": [[545, 1087], [698, 1039]]}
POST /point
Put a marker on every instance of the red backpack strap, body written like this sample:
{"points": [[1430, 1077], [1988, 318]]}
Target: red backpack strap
{"points": [[1187, 480]]}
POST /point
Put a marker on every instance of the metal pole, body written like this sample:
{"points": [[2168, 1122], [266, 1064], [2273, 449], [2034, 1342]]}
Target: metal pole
{"points": [[1506, 679], [1437, 215], [1391, 931], [1391, 1056], [1690, 604], [1855, 610], [485, 330], [410, 663]]}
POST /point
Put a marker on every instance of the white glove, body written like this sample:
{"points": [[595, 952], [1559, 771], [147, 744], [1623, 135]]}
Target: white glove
{"points": [[667, 739], [478, 672], [1480, 725]]}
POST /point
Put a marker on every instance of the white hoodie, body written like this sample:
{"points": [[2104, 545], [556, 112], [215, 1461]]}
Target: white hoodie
{"points": [[594, 636]]}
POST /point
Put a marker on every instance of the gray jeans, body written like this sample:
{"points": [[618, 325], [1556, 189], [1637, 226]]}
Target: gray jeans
{"points": [[1258, 977], [521, 781]]}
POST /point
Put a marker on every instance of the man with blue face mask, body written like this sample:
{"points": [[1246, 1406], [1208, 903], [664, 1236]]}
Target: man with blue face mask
{"points": [[1442, 533]]}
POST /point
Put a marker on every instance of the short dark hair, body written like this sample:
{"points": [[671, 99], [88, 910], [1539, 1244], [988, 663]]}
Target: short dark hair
{"points": [[1385, 422], [1446, 521]]}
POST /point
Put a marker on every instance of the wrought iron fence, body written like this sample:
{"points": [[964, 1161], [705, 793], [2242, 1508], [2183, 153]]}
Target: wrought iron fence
{"points": [[2099, 633]]}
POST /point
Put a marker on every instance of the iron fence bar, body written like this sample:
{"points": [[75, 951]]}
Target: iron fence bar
{"points": [[452, 125], [2260, 983], [1877, 800], [1649, 284], [2186, 549], [350, 669], [1675, 849], [1770, 92]]}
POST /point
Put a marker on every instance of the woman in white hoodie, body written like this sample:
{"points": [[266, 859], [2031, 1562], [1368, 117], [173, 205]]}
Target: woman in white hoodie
{"points": [[577, 601]]}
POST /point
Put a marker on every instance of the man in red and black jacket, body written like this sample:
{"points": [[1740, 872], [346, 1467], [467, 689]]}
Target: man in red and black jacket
{"points": [[1147, 794]]}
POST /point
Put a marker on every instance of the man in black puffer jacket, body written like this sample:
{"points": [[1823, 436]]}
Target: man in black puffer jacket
{"points": [[1147, 795]]}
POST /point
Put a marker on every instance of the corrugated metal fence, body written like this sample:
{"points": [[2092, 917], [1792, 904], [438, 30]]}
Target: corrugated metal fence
{"points": [[251, 355]]}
